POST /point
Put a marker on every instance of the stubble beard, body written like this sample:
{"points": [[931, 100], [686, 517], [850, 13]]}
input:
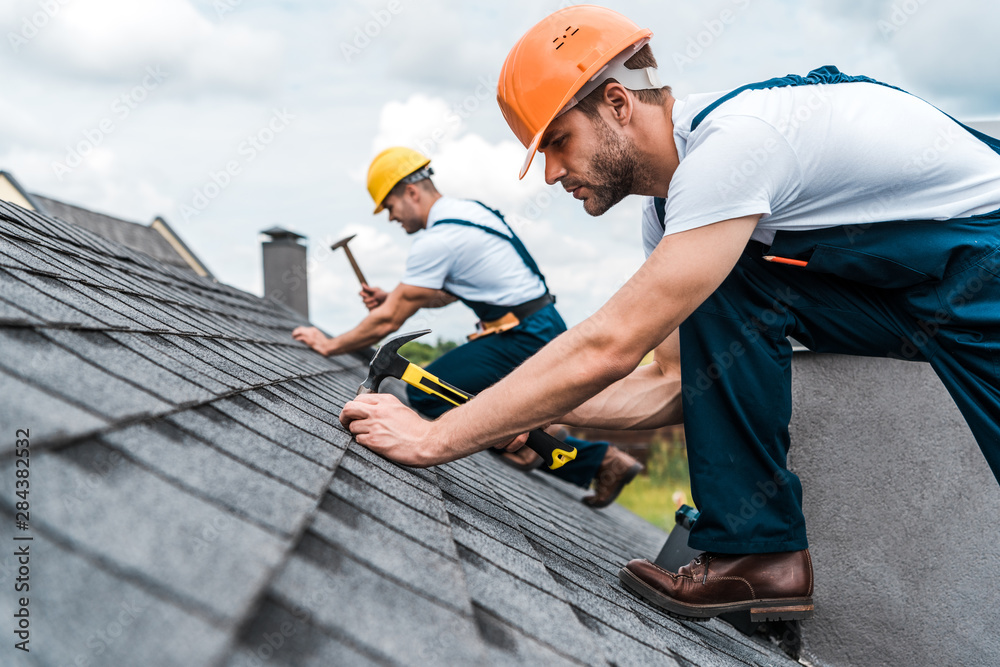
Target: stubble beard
{"points": [[612, 170]]}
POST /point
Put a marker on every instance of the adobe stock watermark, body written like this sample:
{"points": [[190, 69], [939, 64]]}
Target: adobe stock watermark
{"points": [[223, 7], [101, 640], [121, 108], [363, 34], [247, 151], [456, 116], [101, 466], [756, 158], [712, 30], [880, 208], [722, 360], [749, 507], [899, 16], [261, 648], [912, 346], [32, 26]]}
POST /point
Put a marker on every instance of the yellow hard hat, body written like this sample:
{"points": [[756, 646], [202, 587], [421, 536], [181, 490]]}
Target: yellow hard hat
{"points": [[389, 168]]}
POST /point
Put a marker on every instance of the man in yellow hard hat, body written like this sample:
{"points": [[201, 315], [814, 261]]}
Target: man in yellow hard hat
{"points": [[463, 250], [802, 206]]}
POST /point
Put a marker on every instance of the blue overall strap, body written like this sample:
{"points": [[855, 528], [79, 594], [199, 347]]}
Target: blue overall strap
{"points": [[660, 204], [827, 74], [512, 239]]}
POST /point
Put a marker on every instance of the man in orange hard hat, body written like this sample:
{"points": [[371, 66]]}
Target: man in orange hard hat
{"points": [[463, 250], [800, 206]]}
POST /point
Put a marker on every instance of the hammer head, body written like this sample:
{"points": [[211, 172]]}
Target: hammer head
{"points": [[387, 362], [342, 242]]}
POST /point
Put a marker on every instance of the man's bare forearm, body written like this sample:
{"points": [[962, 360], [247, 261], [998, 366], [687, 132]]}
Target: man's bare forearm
{"points": [[371, 330], [649, 397], [644, 399]]}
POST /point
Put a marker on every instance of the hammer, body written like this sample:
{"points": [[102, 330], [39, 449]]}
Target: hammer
{"points": [[387, 362], [357, 269]]}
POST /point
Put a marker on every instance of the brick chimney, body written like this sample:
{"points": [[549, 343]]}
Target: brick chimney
{"points": [[285, 277]]}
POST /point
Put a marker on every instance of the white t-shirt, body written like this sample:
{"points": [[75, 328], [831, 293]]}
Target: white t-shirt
{"points": [[469, 262], [809, 157]]}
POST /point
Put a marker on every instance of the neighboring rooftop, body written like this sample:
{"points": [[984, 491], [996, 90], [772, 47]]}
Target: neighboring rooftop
{"points": [[194, 499], [158, 239]]}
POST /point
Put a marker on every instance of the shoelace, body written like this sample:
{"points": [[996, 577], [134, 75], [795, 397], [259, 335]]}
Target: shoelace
{"points": [[698, 561]]}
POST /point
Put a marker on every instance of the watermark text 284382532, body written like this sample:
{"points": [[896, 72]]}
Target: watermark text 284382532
{"points": [[22, 548]]}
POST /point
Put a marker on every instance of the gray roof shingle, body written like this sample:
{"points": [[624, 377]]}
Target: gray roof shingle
{"points": [[138, 237], [195, 500]]}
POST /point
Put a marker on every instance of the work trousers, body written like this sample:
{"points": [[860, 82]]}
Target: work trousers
{"points": [[919, 290], [480, 363]]}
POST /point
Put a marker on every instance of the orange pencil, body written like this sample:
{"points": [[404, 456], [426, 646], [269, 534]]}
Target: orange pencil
{"points": [[785, 260]]}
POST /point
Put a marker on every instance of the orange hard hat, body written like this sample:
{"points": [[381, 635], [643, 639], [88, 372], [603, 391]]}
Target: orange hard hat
{"points": [[569, 52]]}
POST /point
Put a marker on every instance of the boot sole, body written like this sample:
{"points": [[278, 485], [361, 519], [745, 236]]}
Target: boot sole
{"points": [[778, 609]]}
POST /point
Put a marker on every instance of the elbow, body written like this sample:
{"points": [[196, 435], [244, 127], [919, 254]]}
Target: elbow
{"points": [[375, 329], [608, 356], [383, 328]]}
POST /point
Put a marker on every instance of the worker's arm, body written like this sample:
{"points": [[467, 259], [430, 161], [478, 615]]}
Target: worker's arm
{"points": [[381, 321], [678, 276], [648, 397]]}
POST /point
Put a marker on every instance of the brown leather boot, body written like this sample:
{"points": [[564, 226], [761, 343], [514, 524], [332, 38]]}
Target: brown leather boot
{"points": [[772, 587], [617, 469]]}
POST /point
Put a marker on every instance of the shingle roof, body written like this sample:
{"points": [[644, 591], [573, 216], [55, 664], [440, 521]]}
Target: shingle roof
{"points": [[143, 238], [195, 501]]}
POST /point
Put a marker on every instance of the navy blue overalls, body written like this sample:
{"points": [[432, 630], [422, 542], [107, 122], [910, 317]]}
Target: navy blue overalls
{"points": [[482, 362], [924, 290]]}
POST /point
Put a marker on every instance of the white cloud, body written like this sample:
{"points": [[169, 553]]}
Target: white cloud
{"points": [[119, 39], [465, 164]]}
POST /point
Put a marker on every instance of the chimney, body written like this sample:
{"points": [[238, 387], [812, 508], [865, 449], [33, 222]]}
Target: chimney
{"points": [[285, 269]]}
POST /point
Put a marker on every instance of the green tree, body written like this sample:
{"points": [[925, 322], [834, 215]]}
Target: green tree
{"points": [[422, 354]]}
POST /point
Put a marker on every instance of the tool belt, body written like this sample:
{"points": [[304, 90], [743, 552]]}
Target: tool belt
{"points": [[512, 318]]}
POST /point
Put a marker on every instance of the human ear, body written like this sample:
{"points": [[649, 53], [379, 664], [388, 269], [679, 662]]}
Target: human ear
{"points": [[620, 102], [412, 192]]}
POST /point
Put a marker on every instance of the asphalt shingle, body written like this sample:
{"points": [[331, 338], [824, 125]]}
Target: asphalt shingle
{"points": [[26, 297], [191, 463], [187, 461], [28, 354], [83, 614], [252, 417], [212, 561], [287, 637], [107, 353], [408, 632], [46, 417], [257, 451]]}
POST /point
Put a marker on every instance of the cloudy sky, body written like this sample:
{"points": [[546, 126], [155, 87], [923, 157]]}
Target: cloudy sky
{"points": [[230, 116]]}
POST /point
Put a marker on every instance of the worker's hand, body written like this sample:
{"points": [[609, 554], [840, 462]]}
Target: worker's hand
{"points": [[387, 427], [312, 337], [373, 296], [514, 445]]}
